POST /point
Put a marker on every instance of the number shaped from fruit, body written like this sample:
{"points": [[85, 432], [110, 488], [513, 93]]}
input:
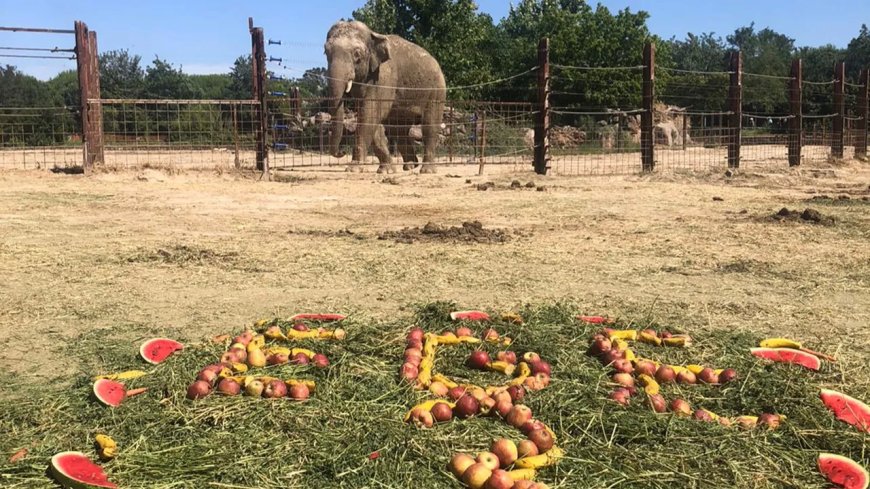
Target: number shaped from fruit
{"points": [[265, 346], [507, 464], [612, 348]]}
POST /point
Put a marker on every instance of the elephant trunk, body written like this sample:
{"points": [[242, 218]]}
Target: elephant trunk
{"points": [[339, 85]]}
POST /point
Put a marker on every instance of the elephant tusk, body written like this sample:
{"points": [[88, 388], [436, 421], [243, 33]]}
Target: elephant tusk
{"points": [[349, 85]]}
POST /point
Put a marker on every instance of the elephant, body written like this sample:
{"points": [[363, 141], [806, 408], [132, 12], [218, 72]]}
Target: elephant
{"points": [[397, 84]]}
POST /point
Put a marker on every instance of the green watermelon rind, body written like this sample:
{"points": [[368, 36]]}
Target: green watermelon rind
{"points": [[145, 346], [861, 477], [102, 397], [853, 411], [68, 481], [781, 354]]}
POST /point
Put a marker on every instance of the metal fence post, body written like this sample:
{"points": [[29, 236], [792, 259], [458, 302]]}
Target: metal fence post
{"points": [[795, 124], [735, 106], [863, 114], [542, 125], [647, 138], [838, 136]]}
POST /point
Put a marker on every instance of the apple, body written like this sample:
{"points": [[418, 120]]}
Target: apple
{"points": [[524, 484], [487, 404], [490, 335], [680, 407], [665, 374], [466, 407], [464, 331], [531, 357], [666, 334], [416, 334], [727, 375], [300, 327], [519, 415], [517, 392], [600, 345], [623, 379], [658, 403], [207, 376], [409, 371], [277, 359], [686, 377], [708, 376], [234, 356], [502, 396], [543, 379], [702, 415], [455, 393], [507, 356], [645, 367], [770, 420], [198, 389], [611, 356], [623, 366], [541, 367], [650, 332], [275, 389], [423, 418], [621, 396], [499, 479], [320, 360], [413, 355], [478, 360], [542, 439], [254, 388], [438, 389], [526, 448], [300, 359], [229, 387], [503, 407], [532, 425], [489, 459], [418, 344], [476, 475], [442, 412], [478, 393], [459, 463]]}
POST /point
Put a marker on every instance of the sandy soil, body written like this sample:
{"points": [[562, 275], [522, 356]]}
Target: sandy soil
{"points": [[190, 254]]}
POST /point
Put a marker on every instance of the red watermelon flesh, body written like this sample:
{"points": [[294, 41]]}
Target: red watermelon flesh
{"points": [[788, 355], [318, 317], [848, 409], [75, 470], [843, 471], [156, 350], [594, 319], [469, 316], [109, 392]]}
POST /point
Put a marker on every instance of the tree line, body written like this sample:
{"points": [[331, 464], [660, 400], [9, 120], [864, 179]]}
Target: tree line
{"points": [[475, 51]]}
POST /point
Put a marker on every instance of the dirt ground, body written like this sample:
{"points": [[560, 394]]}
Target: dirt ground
{"points": [[190, 254]]}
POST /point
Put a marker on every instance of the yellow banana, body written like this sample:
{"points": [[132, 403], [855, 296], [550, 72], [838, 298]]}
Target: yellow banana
{"points": [[650, 386], [679, 341], [620, 344], [522, 474], [747, 422], [278, 350], [105, 441], [448, 340], [503, 367], [623, 334], [274, 334], [523, 370], [430, 344], [128, 375], [261, 323], [629, 355], [293, 334], [307, 353], [677, 369], [426, 406], [695, 369], [107, 454], [651, 339], [551, 457], [309, 383], [444, 380]]}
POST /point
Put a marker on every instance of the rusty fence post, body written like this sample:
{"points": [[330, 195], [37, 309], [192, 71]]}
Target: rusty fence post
{"points": [[82, 54], [839, 126], [258, 65], [647, 138], [542, 123], [735, 107], [796, 123], [95, 110], [863, 114], [482, 142]]}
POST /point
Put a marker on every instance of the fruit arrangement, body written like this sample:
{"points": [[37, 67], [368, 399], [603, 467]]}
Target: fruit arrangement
{"points": [[630, 371], [263, 347], [529, 373]]}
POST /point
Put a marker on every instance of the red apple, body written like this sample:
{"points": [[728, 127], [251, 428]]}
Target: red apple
{"points": [[665, 374], [502, 396], [532, 425], [519, 415], [476, 476], [702, 415], [708, 376], [531, 357], [541, 367], [542, 439], [611, 356], [517, 392], [507, 356], [680, 407], [275, 389], [621, 396], [464, 331], [413, 355], [658, 403], [645, 367], [490, 335], [418, 344], [409, 372], [455, 393], [489, 459], [600, 345], [416, 334], [229, 387], [442, 412], [198, 389], [466, 407], [499, 479], [770, 420], [623, 366], [207, 376], [478, 360], [459, 463], [320, 360], [423, 419], [300, 359], [277, 359], [299, 391], [686, 377], [526, 448], [503, 407], [623, 379], [727, 375]]}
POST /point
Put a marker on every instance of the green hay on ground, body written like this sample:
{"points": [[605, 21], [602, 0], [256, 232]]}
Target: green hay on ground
{"points": [[168, 441]]}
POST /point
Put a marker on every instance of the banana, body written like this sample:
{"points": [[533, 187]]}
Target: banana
{"points": [[128, 375], [105, 441], [430, 343], [447, 340], [278, 350], [623, 334], [503, 367], [444, 380], [620, 344], [309, 383], [649, 338], [629, 355], [261, 323], [650, 386], [746, 422], [274, 334], [292, 334], [522, 474], [695, 369], [511, 317], [677, 369], [308, 353], [641, 359], [523, 370], [679, 341], [551, 457], [426, 406]]}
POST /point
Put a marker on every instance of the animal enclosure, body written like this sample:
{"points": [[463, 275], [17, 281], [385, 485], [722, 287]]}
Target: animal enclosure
{"points": [[550, 118]]}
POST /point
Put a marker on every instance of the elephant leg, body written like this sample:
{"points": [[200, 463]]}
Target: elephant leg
{"points": [[406, 149], [381, 148], [370, 116], [432, 115]]}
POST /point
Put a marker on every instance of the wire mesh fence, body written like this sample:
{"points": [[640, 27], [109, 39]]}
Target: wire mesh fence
{"points": [[40, 137]]}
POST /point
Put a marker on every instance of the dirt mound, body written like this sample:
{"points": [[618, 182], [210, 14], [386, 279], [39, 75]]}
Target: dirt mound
{"points": [[469, 232], [807, 215]]}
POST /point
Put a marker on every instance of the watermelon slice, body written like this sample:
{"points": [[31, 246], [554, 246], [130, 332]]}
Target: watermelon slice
{"points": [[156, 350], [109, 392], [595, 319], [843, 471], [318, 317], [787, 355], [848, 409], [75, 470], [469, 316]]}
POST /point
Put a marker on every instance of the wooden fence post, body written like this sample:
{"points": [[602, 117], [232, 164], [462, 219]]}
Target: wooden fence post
{"points": [[796, 123], [838, 136], [82, 54], [863, 114], [95, 115], [542, 124], [735, 106], [647, 138], [258, 63]]}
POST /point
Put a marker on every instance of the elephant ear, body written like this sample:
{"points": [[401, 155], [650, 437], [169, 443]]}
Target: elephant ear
{"points": [[380, 51]]}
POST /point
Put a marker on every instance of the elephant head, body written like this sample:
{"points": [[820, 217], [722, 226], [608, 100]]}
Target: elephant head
{"points": [[354, 54]]}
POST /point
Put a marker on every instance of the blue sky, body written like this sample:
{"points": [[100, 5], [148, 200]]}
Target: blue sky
{"points": [[205, 37]]}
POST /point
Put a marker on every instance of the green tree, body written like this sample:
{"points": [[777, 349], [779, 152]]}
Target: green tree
{"points": [[698, 92], [162, 80], [65, 86], [211, 87], [765, 52], [858, 54], [121, 75], [241, 79]]}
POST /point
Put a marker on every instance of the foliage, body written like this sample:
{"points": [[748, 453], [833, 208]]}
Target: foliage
{"points": [[162, 80], [121, 75]]}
